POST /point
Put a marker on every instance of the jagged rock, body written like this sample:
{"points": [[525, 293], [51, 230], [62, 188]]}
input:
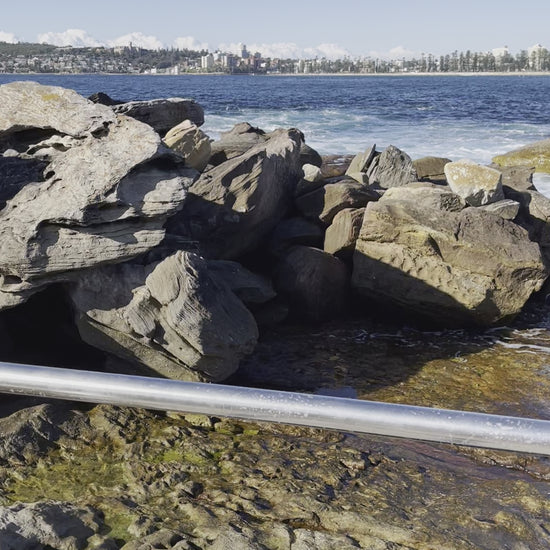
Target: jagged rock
{"points": [[519, 178], [394, 169], [191, 143], [466, 267], [163, 114], [104, 99], [431, 169], [293, 231], [507, 209], [535, 155], [231, 207], [104, 195], [324, 203], [316, 283], [50, 524], [476, 184], [335, 166], [249, 287], [534, 216], [308, 155], [341, 235], [360, 164], [241, 138], [173, 317]]}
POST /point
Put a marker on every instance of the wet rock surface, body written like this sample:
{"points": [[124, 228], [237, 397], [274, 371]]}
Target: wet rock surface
{"points": [[127, 478]]}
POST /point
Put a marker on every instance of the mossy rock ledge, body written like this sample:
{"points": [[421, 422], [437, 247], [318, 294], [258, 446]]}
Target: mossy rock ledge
{"points": [[536, 155]]}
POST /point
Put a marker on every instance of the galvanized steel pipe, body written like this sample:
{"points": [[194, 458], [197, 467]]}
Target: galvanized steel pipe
{"points": [[351, 415]]}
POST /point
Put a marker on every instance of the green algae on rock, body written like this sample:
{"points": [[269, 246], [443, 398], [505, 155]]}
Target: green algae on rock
{"points": [[536, 155]]}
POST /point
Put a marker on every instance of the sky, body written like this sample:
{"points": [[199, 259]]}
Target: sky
{"points": [[285, 28]]}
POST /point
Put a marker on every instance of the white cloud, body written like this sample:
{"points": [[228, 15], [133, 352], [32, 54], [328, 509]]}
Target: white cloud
{"points": [[189, 43], [8, 37], [138, 39], [77, 38], [399, 52]]}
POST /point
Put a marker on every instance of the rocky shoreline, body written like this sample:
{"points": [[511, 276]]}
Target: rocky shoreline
{"points": [[126, 229]]}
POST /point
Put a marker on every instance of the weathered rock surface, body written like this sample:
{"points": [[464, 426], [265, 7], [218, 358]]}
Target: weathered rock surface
{"points": [[163, 114], [191, 143], [360, 164], [231, 207], [535, 155], [235, 142], [324, 203], [335, 166], [316, 283], [172, 317], [341, 235], [59, 525], [430, 195], [456, 267], [393, 168], [476, 184], [507, 209], [105, 192], [519, 178], [431, 169]]}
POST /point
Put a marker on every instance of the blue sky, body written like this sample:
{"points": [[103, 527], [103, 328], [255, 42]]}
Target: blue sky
{"points": [[292, 27]]}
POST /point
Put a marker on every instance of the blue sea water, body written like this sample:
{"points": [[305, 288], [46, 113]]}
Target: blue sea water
{"points": [[473, 117]]}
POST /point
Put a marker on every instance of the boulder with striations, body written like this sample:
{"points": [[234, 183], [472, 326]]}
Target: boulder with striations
{"points": [[454, 267], [174, 317], [163, 114], [99, 187], [233, 206]]}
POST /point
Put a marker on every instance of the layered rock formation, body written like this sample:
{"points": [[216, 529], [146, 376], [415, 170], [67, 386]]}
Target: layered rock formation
{"points": [[139, 230]]}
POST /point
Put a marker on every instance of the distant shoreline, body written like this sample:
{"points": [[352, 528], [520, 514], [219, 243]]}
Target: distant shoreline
{"points": [[306, 75]]}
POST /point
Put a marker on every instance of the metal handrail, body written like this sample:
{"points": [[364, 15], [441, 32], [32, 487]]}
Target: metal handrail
{"points": [[349, 415]]}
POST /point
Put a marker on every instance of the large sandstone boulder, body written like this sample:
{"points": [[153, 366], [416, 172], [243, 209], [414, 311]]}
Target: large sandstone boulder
{"points": [[96, 188], [231, 207], [455, 267], [476, 184], [163, 114], [316, 283], [324, 203], [341, 235], [173, 317], [191, 143], [235, 142], [536, 155]]}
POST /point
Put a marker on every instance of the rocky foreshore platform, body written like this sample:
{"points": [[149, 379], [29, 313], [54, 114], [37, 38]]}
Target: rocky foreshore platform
{"points": [[131, 242]]}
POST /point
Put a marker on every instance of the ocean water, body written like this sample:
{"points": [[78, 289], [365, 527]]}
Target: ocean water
{"points": [[473, 117]]}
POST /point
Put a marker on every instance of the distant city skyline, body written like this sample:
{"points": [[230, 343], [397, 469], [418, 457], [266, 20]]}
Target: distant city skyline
{"points": [[287, 29]]}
